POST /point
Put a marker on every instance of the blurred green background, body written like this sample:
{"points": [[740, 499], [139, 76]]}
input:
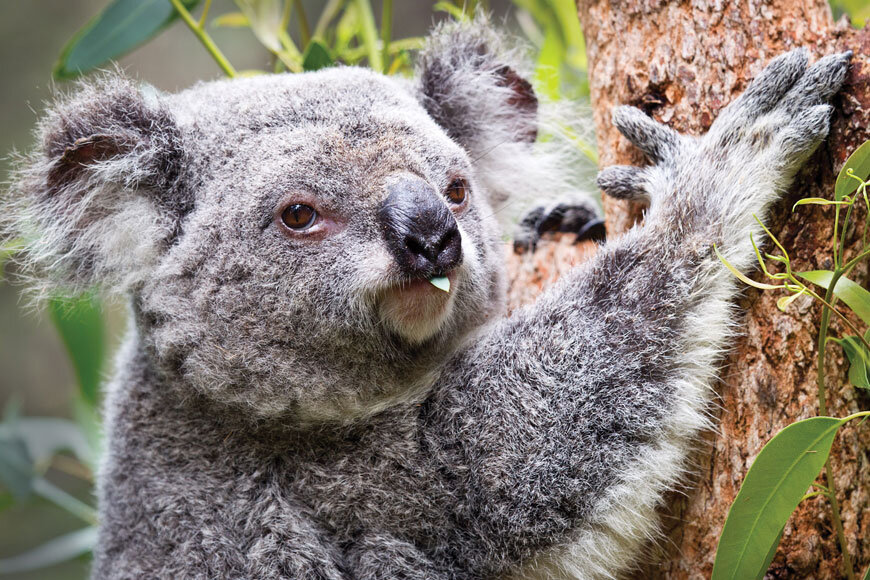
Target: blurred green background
{"points": [[52, 359]]}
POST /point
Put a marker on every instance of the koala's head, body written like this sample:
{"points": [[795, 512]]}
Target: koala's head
{"points": [[277, 234]]}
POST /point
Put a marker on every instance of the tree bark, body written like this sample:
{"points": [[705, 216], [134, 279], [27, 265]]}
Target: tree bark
{"points": [[682, 62]]}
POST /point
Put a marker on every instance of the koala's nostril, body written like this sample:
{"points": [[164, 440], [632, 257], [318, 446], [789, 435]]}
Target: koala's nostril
{"points": [[418, 247]]}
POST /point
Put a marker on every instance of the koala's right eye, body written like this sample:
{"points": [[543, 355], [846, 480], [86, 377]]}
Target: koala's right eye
{"points": [[298, 216]]}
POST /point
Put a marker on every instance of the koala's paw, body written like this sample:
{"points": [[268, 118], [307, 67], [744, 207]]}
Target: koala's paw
{"points": [[579, 217], [784, 113], [765, 134]]}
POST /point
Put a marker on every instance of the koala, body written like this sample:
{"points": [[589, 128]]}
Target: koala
{"points": [[295, 399]]}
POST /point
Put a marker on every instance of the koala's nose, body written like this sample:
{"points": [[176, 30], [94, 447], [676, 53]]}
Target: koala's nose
{"points": [[420, 230]]}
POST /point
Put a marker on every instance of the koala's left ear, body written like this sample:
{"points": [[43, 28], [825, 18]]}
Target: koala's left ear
{"points": [[471, 86], [100, 198]]}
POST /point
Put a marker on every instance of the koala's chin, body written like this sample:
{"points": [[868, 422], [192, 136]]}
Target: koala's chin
{"points": [[417, 310]]}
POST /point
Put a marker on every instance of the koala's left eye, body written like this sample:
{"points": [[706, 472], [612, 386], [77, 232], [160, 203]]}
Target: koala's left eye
{"points": [[298, 216], [457, 191]]}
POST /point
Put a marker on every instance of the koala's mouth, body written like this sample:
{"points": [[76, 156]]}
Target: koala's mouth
{"points": [[416, 309]]}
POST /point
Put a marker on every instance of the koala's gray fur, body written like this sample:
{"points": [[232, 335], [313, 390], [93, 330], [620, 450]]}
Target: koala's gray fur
{"points": [[274, 414]]}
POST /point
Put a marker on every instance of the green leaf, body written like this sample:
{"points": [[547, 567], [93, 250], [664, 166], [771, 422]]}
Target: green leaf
{"points": [[46, 436], [54, 551], [773, 488], [264, 17], [316, 56], [88, 420], [80, 324], [441, 282], [549, 65], [867, 574], [859, 163], [7, 500], [16, 466], [452, 9], [6, 251], [817, 201], [741, 276], [859, 360], [231, 20], [368, 33], [119, 28], [784, 302], [855, 297]]}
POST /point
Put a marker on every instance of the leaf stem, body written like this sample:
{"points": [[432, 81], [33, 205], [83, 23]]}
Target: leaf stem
{"points": [[823, 410], [205, 39], [369, 35], [328, 13], [204, 14], [62, 499], [386, 28], [829, 307], [304, 29]]}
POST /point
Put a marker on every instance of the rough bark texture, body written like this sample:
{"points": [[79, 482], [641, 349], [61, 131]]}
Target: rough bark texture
{"points": [[682, 62]]}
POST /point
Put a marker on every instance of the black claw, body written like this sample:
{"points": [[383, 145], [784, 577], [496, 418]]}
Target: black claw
{"points": [[576, 218]]}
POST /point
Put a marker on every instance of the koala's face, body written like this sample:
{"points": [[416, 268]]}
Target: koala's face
{"points": [[300, 279], [278, 234]]}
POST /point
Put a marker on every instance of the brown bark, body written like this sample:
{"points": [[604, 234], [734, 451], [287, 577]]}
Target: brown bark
{"points": [[682, 62]]}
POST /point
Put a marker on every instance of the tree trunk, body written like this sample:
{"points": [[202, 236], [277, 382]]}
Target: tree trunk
{"points": [[682, 62]]}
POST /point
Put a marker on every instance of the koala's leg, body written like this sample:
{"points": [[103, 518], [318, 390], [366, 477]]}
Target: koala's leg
{"points": [[562, 426]]}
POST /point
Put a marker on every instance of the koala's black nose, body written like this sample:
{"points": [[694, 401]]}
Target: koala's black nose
{"points": [[420, 230]]}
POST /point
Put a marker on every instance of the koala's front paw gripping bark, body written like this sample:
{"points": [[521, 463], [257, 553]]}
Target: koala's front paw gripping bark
{"points": [[718, 181]]}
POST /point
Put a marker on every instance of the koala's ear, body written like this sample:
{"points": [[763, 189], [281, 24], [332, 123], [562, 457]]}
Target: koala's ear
{"points": [[100, 198], [473, 87]]}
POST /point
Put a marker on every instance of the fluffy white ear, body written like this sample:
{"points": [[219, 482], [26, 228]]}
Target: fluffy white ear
{"points": [[475, 88], [472, 86], [100, 197]]}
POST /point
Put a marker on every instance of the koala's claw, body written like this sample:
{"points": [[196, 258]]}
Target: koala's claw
{"points": [[657, 141], [575, 217], [623, 182], [820, 82]]}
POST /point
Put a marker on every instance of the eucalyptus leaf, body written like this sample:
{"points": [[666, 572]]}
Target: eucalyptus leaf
{"points": [[53, 552], [264, 18], [817, 201], [451, 9], [859, 163], [774, 486], [231, 20], [866, 573], [316, 56], [80, 324], [855, 297], [119, 28], [16, 466], [441, 282], [46, 436], [859, 360], [743, 277]]}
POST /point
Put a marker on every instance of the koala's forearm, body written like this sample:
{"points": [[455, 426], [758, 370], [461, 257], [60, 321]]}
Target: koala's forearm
{"points": [[601, 382]]}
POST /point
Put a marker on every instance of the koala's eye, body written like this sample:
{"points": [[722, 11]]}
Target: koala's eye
{"points": [[298, 216], [457, 191]]}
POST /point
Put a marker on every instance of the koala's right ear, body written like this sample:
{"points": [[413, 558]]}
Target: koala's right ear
{"points": [[100, 198], [474, 88]]}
